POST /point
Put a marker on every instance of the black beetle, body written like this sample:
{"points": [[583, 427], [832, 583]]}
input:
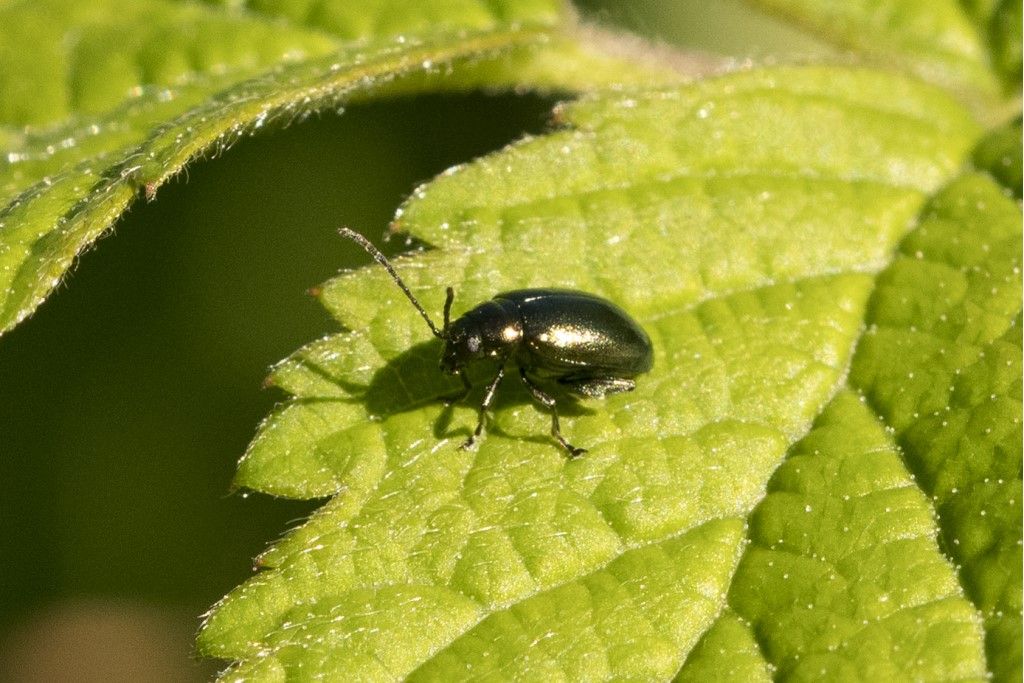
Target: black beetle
{"points": [[584, 342]]}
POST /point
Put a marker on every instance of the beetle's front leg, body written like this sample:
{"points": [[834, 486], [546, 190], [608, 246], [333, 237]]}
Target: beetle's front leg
{"points": [[459, 395], [488, 399]]}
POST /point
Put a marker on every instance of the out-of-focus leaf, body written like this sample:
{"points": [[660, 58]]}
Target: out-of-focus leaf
{"points": [[999, 154], [937, 40], [999, 21], [85, 127]]}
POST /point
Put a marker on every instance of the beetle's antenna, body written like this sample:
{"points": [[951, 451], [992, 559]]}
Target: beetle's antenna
{"points": [[448, 299], [381, 259]]}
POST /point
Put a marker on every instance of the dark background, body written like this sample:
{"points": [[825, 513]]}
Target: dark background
{"points": [[126, 400]]}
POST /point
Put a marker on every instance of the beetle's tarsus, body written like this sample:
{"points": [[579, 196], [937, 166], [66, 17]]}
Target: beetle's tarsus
{"points": [[573, 450]]}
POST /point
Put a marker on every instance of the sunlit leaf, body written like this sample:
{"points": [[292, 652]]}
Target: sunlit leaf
{"points": [[779, 495]]}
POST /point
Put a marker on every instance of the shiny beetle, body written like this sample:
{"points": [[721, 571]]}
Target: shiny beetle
{"points": [[584, 342]]}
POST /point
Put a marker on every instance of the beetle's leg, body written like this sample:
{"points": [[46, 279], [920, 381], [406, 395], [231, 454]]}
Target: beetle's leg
{"points": [[488, 399], [598, 387], [449, 297], [459, 395], [549, 402]]}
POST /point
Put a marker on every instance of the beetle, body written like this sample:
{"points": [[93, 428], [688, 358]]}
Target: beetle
{"points": [[579, 340]]}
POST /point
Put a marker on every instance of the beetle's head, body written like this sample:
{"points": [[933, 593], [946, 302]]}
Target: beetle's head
{"points": [[462, 345]]}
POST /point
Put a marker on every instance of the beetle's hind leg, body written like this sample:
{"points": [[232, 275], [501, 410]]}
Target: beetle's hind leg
{"points": [[598, 387], [549, 402]]}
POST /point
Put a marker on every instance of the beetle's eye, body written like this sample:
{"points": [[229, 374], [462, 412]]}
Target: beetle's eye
{"points": [[473, 344]]}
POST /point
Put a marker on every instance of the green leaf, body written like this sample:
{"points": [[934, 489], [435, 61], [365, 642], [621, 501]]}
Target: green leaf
{"points": [[999, 21], [937, 40], [941, 365], [813, 295], [843, 578], [85, 128], [999, 155]]}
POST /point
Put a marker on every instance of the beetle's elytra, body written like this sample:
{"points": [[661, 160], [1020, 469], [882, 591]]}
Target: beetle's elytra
{"points": [[581, 341]]}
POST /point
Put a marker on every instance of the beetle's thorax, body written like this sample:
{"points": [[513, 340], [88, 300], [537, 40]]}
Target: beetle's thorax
{"points": [[491, 330]]}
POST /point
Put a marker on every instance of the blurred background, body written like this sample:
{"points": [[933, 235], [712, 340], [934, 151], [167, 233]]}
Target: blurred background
{"points": [[126, 400]]}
